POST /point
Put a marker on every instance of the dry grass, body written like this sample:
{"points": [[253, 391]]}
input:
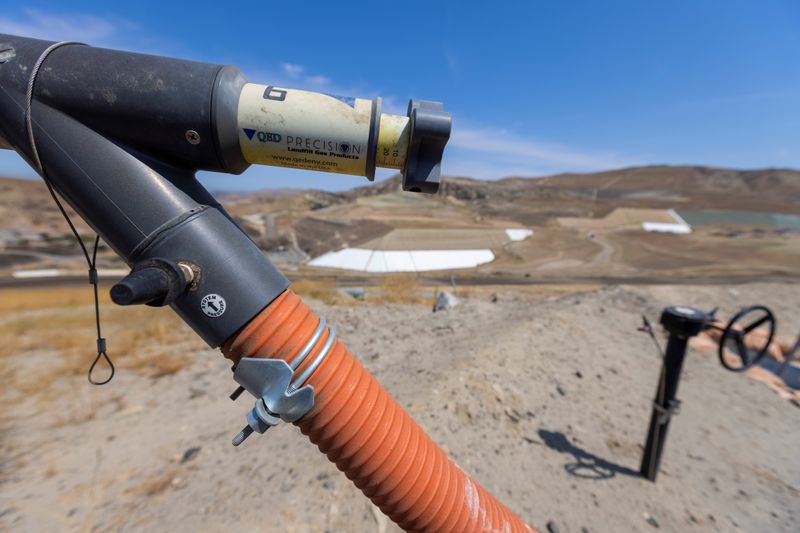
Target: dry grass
{"points": [[60, 322], [390, 288], [157, 482], [401, 289], [15, 300], [324, 291]]}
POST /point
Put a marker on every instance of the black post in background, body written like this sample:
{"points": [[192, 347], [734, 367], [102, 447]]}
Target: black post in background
{"points": [[681, 323]]}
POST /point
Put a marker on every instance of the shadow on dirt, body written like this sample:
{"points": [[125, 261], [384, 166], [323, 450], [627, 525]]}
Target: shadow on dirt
{"points": [[586, 465]]}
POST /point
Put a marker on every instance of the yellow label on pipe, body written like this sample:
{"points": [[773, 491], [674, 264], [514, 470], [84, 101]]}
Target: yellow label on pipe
{"points": [[303, 129], [393, 141]]}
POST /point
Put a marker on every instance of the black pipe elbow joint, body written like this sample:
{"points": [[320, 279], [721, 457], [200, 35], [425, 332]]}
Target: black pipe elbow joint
{"points": [[120, 136]]}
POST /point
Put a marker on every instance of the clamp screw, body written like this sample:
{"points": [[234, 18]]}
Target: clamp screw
{"points": [[192, 137], [243, 434]]}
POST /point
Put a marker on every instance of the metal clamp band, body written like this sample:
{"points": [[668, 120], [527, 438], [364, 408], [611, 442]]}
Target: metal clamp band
{"points": [[300, 357], [666, 412], [278, 395], [326, 348]]}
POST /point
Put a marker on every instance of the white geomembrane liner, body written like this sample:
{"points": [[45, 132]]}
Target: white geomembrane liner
{"points": [[680, 226], [402, 260], [43, 273], [666, 227], [55, 273], [518, 234]]}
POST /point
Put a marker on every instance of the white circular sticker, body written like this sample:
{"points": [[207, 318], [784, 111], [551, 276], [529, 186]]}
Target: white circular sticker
{"points": [[213, 305]]}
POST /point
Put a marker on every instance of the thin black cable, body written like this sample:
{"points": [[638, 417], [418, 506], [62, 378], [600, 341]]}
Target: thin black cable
{"points": [[647, 327], [101, 342], [93, 267], [91, 262]]}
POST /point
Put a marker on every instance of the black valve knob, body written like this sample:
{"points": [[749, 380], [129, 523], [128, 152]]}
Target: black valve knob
{"points": [[155, 282], [684, 321], [430, 130]]}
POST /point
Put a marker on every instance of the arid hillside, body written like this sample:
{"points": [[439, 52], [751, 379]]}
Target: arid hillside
{"points": [[586, 226], [537, 383]]}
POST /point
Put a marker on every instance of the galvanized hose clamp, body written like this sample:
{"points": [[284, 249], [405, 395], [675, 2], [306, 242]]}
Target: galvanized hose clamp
{"points": [[280, 395]]}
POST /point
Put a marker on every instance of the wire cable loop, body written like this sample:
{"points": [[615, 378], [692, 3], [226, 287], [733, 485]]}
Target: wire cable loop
{"points": [[91, 262]]}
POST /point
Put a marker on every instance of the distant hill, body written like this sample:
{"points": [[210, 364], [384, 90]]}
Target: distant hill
{"points": [[767, 189], [569, 241], [311, 221], [26, 207], [528, 200]]}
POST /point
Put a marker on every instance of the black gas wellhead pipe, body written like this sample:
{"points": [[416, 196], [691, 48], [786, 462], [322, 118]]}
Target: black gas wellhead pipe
{"points": [[681, 323], [121, 135]]}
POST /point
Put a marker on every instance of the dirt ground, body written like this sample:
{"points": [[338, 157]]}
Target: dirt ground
{"points": [[544, 398]]}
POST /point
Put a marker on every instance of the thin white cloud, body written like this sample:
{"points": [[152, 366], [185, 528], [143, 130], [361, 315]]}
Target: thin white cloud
{"points": [[323, 82], [297, 76], [393, 105], [452, 62], [457, 163], [292, 70], [495, 152], [54, 27], [103, 31]]}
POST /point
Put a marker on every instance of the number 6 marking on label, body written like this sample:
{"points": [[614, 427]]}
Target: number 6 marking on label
{"points": [[271, 93]]}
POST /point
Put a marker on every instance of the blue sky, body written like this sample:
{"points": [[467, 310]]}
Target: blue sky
{"points": [[535, 87]]}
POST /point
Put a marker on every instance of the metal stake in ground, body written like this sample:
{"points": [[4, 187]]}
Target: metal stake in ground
{"points": [[682, 323]]}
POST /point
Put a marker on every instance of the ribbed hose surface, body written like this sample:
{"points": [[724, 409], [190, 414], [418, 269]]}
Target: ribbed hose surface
{"points": [[369, 436]]}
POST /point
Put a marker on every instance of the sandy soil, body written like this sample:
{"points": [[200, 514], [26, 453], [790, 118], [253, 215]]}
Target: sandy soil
{"points": [[544, 400], [620, 217], [570, 253]]}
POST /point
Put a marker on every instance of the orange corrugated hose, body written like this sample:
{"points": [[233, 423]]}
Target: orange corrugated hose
{"points": [[369, 436]]}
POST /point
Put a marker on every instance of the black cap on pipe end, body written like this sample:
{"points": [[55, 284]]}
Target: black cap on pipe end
{"points": [[155, 282], [141, 287], [430, 131], [684, 321]]}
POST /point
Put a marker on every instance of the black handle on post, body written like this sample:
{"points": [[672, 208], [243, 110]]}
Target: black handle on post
{"points": [[682, 323]]}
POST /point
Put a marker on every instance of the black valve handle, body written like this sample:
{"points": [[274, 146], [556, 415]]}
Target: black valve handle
{"points": [[737, 337]]}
